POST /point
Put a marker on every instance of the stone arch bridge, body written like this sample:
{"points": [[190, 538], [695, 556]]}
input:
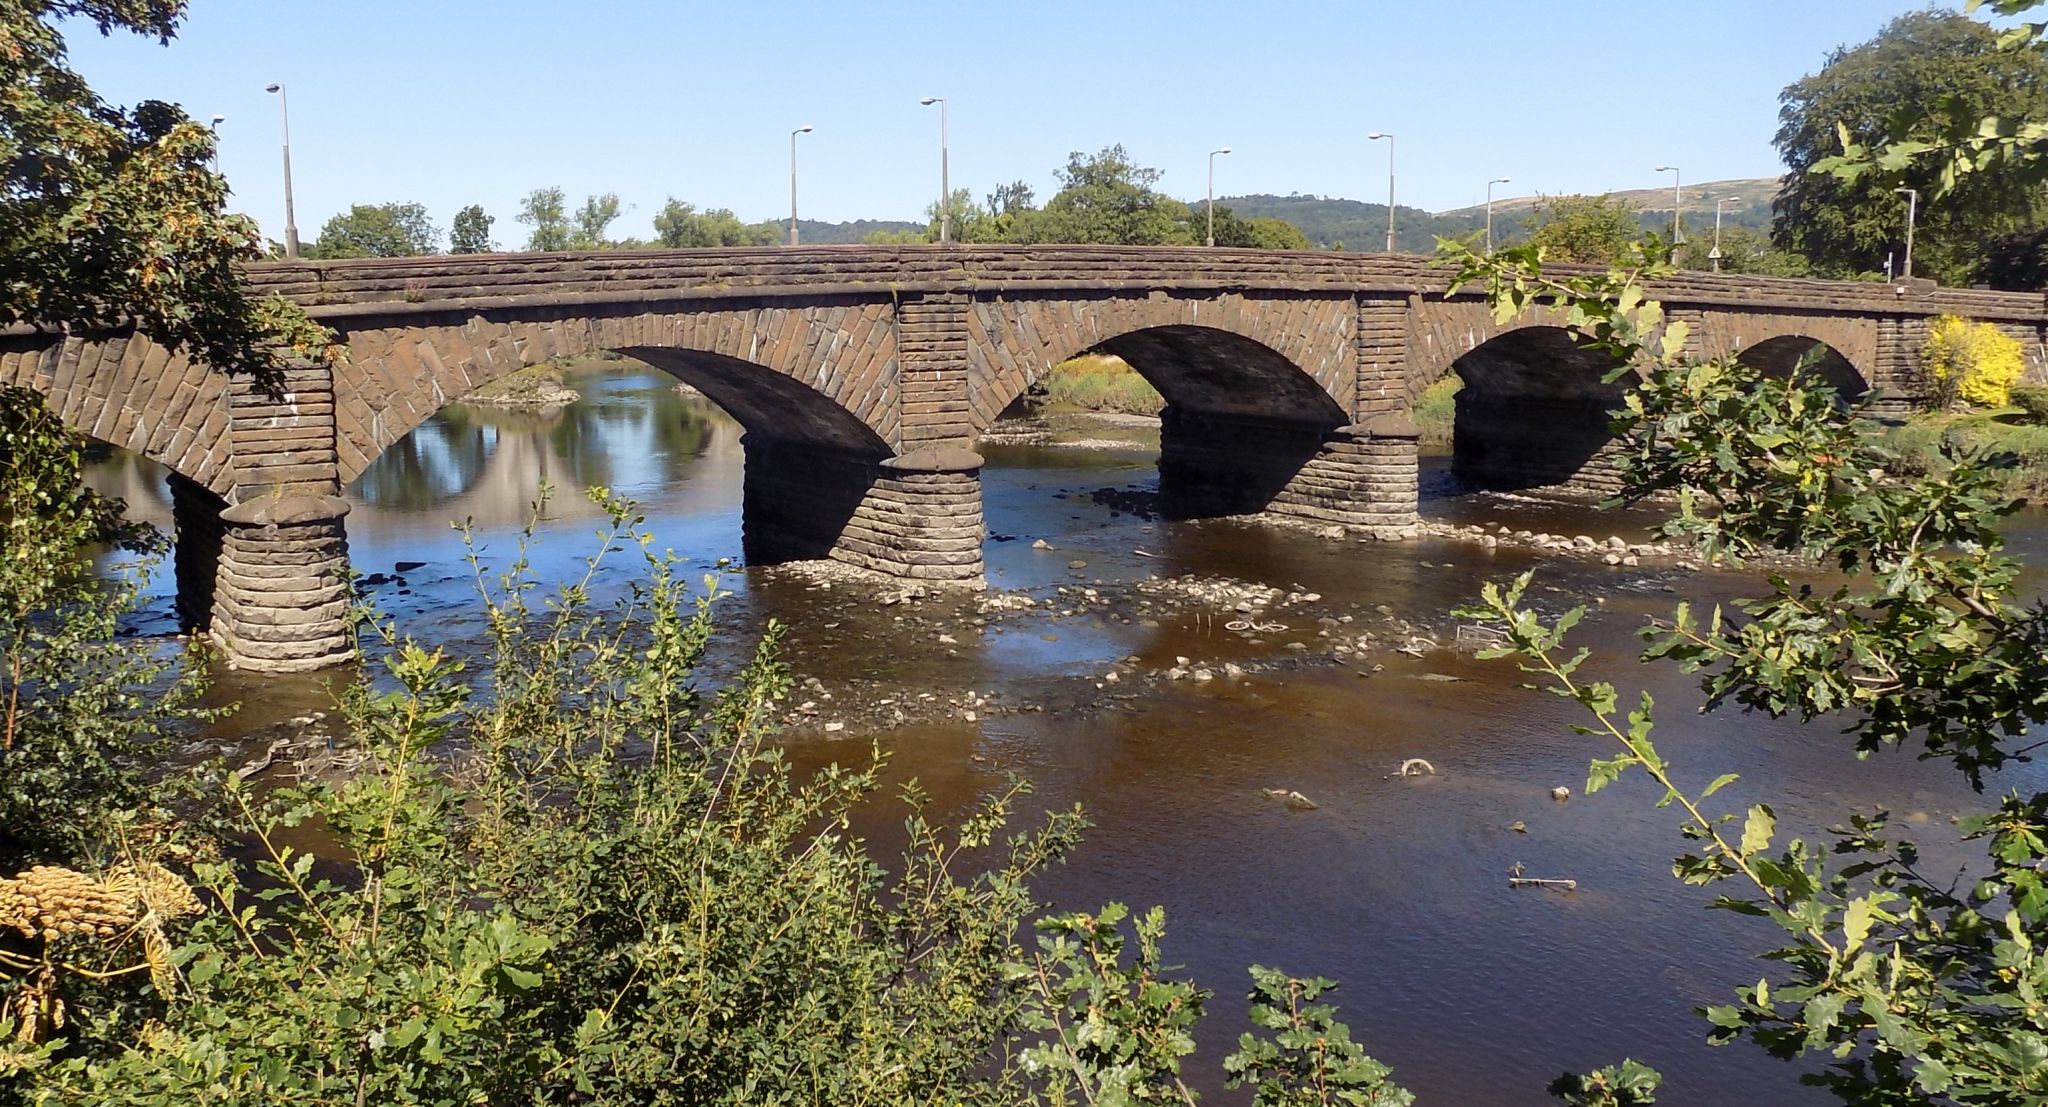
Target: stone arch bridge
{"points": [[864, 376]]}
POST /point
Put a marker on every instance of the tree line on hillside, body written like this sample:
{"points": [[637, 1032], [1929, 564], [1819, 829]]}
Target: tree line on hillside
{"points": [[1991, 229]]}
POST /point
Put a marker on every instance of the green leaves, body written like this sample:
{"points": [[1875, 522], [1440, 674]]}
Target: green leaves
{"points": [[1308, 1059], [1914, 988], [1757, 828], [1629, 1084]]}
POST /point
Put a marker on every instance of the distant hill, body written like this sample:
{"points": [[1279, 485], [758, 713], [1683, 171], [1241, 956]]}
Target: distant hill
{"points": [[814, 233], [1331, 222], [1752, 192]]}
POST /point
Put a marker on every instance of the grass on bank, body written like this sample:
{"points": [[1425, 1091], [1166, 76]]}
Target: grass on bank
{"points": [[1918, 444], [1436, 410], [1100, 382]]}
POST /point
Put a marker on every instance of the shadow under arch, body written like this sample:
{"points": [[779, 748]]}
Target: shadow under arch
{"points": [[1533, 410], [1781, 357], [1241, 420], [810, 463]]}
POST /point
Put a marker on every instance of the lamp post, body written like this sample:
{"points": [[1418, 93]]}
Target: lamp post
{"points": [[1489, 210], [1677, 205], [218, 119], [291, 225], [1390, 184], [1912, 213], [945, 181], [1714, 255], [803, 130], [1212, 191]]}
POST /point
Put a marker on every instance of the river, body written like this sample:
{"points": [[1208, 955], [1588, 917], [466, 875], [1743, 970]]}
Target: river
{"points": [[1474, 992]]}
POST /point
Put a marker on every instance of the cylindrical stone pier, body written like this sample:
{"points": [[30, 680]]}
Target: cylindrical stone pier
{"points": [[916, 516], [281, 604], [921, 519], [1361, 477]]}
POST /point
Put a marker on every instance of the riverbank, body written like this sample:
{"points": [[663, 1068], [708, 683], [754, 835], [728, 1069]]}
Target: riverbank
{"points": [[1919, 445]]}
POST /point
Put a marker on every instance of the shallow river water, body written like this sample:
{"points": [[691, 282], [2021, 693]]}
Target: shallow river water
{"points": [[1475, 993]]}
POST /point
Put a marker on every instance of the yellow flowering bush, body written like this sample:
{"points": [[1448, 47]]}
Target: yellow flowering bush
{"points": [[1972, 363]]}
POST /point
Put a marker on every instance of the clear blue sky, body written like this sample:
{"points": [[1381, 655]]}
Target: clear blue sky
{"points": [[452, 102]]}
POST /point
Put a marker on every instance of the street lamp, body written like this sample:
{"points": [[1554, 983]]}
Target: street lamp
{"points": [[1212, 191], [803, 130], [945, 182], [1390, 184], [1912, 213], [1489, 210], [218, 119], [1677, 205], [291, 226], [1714, 255]]}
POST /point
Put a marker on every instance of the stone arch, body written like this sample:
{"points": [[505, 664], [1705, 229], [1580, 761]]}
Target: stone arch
{"points": [[1282, 357], [1533, 410], [820, 374], [1781, 338], [1441, 331], [1780, 356], [126, 390]]}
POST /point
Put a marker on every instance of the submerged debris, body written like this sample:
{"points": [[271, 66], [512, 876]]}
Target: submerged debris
{"points": [[1517, 880], [1294, 800]]}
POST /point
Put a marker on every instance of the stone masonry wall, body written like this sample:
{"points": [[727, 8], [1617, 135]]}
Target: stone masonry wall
{"points": [[1524, 442], [915, 516], [1359, 477]]}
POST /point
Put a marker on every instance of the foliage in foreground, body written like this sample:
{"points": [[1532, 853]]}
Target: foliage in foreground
{"points": [[76, 705], [576, 876], [1920, 991], [112, 217]]}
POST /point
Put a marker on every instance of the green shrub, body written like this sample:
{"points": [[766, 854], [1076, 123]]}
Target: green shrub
{"points": [[581, 876], [1096, 382], [1436, 411], [2033, 400]]}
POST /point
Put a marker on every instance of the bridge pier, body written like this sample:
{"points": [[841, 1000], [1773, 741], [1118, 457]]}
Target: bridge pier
{"points": [[1512, 442], [915, 515], [1361, 476], [281, 596]]}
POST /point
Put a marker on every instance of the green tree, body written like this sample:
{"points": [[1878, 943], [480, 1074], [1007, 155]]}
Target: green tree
{"points": [[1009, 199], [970, 222], [679, 225], [1846, 224], [395, 230], [1109, 199], [471, 232], [1594, 230], [545, 210], [77, 704], [1262, 233], [591, 220], [113, 216], [1743, 250]]}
